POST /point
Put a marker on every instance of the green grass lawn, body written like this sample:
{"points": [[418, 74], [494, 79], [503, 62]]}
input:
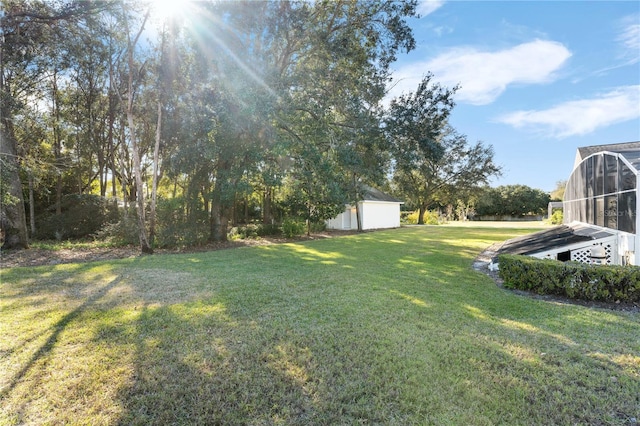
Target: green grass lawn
{"points": [[390, 327]]}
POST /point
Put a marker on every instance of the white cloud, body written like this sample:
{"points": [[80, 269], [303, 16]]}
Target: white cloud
{"points": [[427, 7], [581, 117], [484, 75], [628, 48], [442, 30], [629, 38]]}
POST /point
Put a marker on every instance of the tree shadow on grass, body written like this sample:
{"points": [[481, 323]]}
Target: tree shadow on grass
{"points": [[189, 345], [506, 361], [197, 365], [44, 350], [559, 362]]}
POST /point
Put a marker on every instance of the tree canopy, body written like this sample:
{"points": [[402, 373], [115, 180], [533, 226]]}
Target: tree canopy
{"points": [[433, 165], [512, 200], [226, 112]]}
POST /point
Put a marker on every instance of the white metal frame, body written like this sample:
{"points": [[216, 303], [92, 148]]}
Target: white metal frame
{"points": [[625, 246]]}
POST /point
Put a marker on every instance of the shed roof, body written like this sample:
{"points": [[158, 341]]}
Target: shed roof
{"points": [[556, 237], [373, 194]]}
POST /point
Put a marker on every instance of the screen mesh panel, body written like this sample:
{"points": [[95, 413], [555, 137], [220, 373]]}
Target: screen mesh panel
{"points": [[602, 191]]}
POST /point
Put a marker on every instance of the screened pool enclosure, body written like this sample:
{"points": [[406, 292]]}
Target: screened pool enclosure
{"points": [[603, 190], [600, 206]]}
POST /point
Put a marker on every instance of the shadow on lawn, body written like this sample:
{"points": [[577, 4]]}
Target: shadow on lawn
{"points": [[397, 341], [557, 362], [551, 367], [44, 351], [211, 369], [216, 361]]}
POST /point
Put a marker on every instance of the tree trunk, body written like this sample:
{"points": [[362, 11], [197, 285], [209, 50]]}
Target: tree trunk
{"points": [[234, 212], [267, 215], [154, 179], [57, 141], [32, 208], [111, 123], [102, 175], [358, 212], [219, 220], [145, 247], [13, 219], [422, 210]]}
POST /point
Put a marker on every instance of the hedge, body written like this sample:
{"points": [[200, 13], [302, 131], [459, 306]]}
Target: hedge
{"points": [[606, 283]]}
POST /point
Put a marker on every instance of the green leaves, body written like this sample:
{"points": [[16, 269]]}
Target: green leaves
{"points": [[513, 200], [608, 283]]}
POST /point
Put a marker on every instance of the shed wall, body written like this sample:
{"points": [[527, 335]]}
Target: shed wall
{"points": [[375, 215], [344, 221], [379, 215]]}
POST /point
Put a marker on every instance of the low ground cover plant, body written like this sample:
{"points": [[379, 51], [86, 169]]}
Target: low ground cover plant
{"points": [[392, 328]]}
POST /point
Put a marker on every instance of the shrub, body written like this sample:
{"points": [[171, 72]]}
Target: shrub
{"points": [[317, 226], [253, 230], [81, 216], [186, 234], [123, 232], [409, 218], [557, 217], [292, 228], [608, 283], [265, 230], [431, 217], [177, 228], [244, 232]]}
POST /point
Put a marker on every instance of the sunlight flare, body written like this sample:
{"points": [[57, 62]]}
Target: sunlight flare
{"points": [[162, 10]]}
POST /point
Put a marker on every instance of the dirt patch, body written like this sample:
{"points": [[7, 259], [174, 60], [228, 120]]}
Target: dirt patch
{"points": [[39, 257], [482, 264]]}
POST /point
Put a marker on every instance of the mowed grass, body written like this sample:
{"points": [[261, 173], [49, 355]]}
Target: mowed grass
{"points": [[391, 327]]}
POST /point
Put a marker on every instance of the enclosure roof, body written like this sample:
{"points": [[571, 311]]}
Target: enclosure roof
{"points": [[553, 238], [373, 194], [629, 150]]}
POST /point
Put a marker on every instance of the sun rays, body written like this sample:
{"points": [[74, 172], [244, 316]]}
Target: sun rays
{"points": [[163, 10]]}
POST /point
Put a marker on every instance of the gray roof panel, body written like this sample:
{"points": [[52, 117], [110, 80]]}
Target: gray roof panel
{"points": [[552, 238], [373, 194], [630, 151]]}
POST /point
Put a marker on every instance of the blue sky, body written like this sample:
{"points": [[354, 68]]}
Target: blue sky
{"points": [[538, 79]]}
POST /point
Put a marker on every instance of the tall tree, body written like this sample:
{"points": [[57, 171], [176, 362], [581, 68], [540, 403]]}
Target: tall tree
{"points": [[512, 200], [337, 83], [90, 107], [165, 71], [461, 169], [236, 77], [415, 124], [26, 29], [558, 193], [133, 74]]}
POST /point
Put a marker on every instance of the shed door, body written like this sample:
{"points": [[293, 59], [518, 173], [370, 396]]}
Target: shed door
{"points": [[346, 219]]}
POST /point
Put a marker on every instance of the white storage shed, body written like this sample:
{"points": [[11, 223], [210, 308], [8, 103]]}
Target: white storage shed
{"points": [[377, 209]]}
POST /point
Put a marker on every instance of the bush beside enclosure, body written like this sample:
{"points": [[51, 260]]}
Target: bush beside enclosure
{"points": [[607, 283]]}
